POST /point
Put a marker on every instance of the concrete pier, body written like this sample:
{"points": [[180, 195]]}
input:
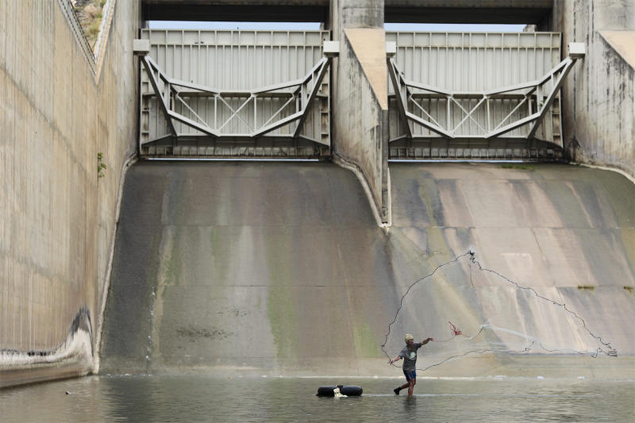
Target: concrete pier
{"points": [[360, 107], [599, 98]]}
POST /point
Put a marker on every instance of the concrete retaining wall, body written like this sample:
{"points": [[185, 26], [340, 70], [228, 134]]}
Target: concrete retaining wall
{"points": [[57, 217]]}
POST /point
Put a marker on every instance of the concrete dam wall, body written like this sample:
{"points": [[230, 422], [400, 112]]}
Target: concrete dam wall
{"points": [[280, 269], [58, 111]]}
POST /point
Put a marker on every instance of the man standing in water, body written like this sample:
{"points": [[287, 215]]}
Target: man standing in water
{"points": [[409, 355]]}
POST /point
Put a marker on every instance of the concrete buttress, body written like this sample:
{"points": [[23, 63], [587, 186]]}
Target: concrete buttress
{"points": [[360, 97]]}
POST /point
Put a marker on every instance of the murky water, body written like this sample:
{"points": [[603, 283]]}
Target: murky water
{"points": [[209, 399]]}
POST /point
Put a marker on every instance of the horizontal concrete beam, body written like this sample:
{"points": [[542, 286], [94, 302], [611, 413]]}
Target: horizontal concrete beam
{"points": [[191, 10], [424, 11], [467, 11], [475, 4], [483, 15]]}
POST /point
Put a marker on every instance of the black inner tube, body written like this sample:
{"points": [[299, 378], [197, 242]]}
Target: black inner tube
{"points": [[348, 390]]}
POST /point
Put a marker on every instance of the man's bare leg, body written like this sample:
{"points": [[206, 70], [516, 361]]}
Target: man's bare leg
{"points": [[411, 387]]}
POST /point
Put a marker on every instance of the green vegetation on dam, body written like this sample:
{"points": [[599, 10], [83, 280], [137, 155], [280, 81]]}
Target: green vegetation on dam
{"points": [[267, 268]]}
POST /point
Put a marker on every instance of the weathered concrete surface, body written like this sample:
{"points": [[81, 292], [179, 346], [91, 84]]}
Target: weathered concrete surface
{"points": [[622, 42], [359, 116], [280, 269], [364, 42], [57, 218], [249, 264], [599, 96]]}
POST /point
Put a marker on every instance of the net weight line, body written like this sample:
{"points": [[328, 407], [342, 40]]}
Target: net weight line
{"points": [[607, 350]]}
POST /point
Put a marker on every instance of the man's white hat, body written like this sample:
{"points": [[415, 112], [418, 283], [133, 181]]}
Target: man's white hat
{"points": [[409, 337]]}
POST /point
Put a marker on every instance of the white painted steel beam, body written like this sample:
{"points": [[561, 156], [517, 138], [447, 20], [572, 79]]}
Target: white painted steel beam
{"points": [[569, 62], [203, 128], [318, 73], [147, 64]]}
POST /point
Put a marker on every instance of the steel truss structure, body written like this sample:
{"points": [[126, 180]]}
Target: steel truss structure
{"points": [[234, 93], [532, 101], [175, 98], [472, 96], [445, 101]]}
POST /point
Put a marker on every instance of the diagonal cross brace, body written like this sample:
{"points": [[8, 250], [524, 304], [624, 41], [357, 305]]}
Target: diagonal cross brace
{"points": [[558, 73]]}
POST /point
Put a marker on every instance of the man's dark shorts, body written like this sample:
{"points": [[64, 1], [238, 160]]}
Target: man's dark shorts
{"points": [[410, 374]]}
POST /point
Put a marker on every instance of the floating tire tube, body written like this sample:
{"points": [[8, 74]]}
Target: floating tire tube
{"points": [[348, 390]]}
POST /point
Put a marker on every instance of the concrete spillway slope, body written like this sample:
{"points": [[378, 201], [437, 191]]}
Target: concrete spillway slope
{"points": [[280, 269]]}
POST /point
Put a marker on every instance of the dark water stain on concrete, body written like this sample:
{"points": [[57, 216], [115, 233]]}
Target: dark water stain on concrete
{"points": [[193, 333]]}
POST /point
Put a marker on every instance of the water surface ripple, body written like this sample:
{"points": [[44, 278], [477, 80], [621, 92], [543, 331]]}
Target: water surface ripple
{"points": [[212, 399]]}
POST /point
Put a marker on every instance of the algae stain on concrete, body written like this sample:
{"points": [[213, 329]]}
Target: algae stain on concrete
{"points": [[429, 193], [437, 242], [519, 166], [173, 204], [220, 266], [170, 267], [365, 343], [621, 193], [283, 322], [438, 246], [628, 240], [281, 310]]}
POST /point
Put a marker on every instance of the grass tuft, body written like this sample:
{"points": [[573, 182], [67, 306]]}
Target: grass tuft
{"points": [[586, 287]]}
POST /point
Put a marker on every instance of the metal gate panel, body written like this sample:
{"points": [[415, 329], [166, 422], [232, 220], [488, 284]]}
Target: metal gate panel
{"points": [[470, 64], [475, 61], [239, 62]]}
